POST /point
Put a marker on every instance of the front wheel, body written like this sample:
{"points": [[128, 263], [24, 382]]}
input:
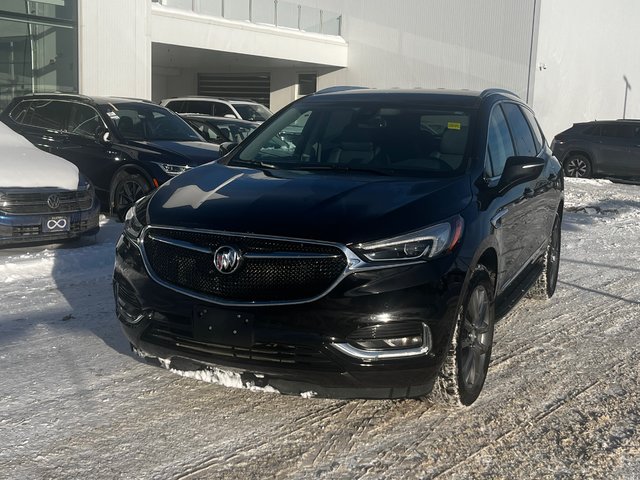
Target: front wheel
{"points": [[128, 188], [577, 166], [465, 369]]}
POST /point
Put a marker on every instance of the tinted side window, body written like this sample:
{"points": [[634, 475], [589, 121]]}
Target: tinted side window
{"points": [[499, 144], [19, 113], [197, 106], [221, 110], [83, 120], [538, 138], [520, 130], [176, 106], [593, 130], [610, 130], [51, 114]]}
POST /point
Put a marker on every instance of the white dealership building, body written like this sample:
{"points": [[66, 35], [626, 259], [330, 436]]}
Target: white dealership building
{"points": [[572, 60]]}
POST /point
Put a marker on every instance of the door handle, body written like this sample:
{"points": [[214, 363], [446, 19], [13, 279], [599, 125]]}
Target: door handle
{"points": [[496, 220]]}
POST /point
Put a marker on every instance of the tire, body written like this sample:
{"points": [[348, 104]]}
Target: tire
{"points": [[577, 166], [465, 368], [545, 286], [127, 189]]}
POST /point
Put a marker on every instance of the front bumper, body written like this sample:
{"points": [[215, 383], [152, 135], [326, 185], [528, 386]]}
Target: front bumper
{"points": [[17, 229], [295, 348]]}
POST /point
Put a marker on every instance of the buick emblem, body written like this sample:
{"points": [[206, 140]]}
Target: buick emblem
{"points": [[53, 201], [226, 259]]}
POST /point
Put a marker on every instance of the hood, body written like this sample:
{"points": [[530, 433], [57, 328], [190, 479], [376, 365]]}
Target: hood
{"points": [[179, 153], [25, 166], [333, 207]]}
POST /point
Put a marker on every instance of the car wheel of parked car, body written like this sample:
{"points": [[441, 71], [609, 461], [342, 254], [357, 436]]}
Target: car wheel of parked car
{"points": [[577, 166], [545, 286], [128, 188], [465, 368]]}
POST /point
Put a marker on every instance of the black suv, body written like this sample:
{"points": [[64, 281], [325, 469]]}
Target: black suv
{"points": [[600, 149], [366, 259], [126, 147]]}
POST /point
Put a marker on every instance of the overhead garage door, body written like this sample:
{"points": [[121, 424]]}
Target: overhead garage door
{"points": [[254, 86]]}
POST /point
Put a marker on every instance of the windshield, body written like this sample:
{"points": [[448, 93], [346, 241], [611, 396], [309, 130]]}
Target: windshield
{"points": [[253, 112], [142, 121], [396, 140]]}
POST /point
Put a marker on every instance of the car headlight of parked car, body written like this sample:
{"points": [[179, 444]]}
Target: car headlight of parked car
{"points": [[171, 169], [136, 218], [426, 243]]}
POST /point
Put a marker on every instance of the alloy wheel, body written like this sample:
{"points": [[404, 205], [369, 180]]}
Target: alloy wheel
{"points": [[577, 167], [476, 337]]}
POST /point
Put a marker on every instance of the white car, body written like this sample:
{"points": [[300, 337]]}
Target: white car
{"points": [[219, 107], [42, 197]]}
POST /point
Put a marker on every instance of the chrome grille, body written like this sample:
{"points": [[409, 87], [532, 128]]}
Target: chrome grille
{"points": [[272, 270], [34, 203]]}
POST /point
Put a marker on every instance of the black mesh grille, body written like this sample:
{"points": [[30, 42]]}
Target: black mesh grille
{"points": [[256, 279], [29, 203], [177, 337]]}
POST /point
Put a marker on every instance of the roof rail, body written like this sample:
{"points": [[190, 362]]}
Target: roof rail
{"points": [[339, 88], [493, 91]]}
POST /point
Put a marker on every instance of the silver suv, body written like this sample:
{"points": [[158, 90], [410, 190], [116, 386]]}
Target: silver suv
{"points": [[219, 107]]}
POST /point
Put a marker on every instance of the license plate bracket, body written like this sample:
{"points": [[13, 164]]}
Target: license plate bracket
{"points": [[224, 327], [59, 223]]}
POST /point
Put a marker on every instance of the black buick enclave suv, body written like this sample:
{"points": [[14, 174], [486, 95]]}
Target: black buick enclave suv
{"points": [[366, 259]]}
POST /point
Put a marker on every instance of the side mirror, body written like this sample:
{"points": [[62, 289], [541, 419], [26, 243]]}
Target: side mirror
{"points": [[519, 170], [103, 135], [227, 147]]}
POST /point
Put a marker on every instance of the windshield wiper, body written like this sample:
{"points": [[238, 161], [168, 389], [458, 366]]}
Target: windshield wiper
{"points": [[345, 168], [253, 163]]}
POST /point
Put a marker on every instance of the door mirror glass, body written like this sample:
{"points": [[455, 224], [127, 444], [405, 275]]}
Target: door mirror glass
{"points": [[103, 135]]}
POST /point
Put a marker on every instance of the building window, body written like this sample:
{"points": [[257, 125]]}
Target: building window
{"points": [[38, 47], [307, 83]]}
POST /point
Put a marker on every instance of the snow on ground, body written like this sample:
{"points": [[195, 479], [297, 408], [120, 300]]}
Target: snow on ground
{"points": [[561, 399]]}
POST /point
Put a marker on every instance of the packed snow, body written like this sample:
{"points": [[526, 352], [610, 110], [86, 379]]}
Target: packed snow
{"points": [[561, 399]]}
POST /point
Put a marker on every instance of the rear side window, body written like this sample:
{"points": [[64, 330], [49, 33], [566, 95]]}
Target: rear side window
{"points": [[538, 138], [197, 106], [49, 114], [19, 113], [84, 120], [520, 130], [499, 144], [176, 106], [221, 110]]}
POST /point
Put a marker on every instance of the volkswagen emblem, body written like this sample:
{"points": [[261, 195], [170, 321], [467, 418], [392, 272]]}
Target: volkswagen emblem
{"points": [[226, 259], [53, 201]]}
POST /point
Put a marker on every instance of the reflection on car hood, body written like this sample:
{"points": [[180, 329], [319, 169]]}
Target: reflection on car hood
{"points": [[22, 165], [187, 153], [323, 206]]}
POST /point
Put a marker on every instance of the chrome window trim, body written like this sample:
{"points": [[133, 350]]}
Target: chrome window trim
{"points": [[354, 264]]}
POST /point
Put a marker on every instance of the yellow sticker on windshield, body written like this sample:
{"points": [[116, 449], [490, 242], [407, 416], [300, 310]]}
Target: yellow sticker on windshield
{"points": [[453, 126]]}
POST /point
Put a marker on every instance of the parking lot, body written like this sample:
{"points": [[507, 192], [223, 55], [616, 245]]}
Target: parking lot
{"points": [[561, 399]]}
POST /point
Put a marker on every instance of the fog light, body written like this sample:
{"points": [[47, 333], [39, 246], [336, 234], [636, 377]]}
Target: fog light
{"points": [[390, 343]]}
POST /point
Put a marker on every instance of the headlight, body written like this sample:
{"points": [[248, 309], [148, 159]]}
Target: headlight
{"points": [[426, 243], [172, 170], [136, 218]]}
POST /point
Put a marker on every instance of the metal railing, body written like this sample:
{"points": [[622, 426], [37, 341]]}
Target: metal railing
{"points": [[264, 12]]}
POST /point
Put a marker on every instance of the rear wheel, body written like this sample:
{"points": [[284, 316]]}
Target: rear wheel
{"points": [[465, 369], [577, 165], [545, 286], [128, 188]]}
